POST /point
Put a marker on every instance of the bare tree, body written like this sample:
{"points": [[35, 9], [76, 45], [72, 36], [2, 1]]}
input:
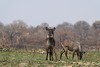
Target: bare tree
{"points": [[14, 29], [64, 31], [82, 29], [96, 31]]}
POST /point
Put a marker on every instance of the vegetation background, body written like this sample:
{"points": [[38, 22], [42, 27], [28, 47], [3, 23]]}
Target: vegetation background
{"points": [[22, 45], [19, 35]]}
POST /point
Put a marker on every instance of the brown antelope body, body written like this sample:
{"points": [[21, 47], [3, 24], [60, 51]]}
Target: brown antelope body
{"points": [[75, 47]]}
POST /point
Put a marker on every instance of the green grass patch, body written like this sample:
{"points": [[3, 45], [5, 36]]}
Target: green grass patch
{"points": [[30, 59]]}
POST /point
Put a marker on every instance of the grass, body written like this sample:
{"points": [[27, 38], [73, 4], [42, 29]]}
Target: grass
{"points": [[30, 59]]}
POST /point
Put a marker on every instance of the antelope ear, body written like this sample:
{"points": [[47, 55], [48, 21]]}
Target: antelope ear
{"points": [[54, 28], [46, 28]]}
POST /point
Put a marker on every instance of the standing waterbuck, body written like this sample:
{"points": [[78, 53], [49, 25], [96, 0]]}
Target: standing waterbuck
{"points": [[73, 46], [50, 43]]}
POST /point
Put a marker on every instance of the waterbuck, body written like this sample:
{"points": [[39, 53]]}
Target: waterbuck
{"points": [[50, 43], [73, 46]]}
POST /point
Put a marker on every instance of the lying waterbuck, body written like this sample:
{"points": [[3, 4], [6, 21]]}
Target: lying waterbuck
{"points": [[75, 47], [50, 43]]}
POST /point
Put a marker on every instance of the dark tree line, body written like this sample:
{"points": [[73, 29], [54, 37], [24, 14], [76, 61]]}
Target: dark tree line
{"points": [[19, 35]]}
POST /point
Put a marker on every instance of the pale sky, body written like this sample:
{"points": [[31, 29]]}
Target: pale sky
{"points": [[54, 12]]}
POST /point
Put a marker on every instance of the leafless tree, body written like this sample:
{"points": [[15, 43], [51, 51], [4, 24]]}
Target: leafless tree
{"points": [[96, 31], [82, 29]]}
